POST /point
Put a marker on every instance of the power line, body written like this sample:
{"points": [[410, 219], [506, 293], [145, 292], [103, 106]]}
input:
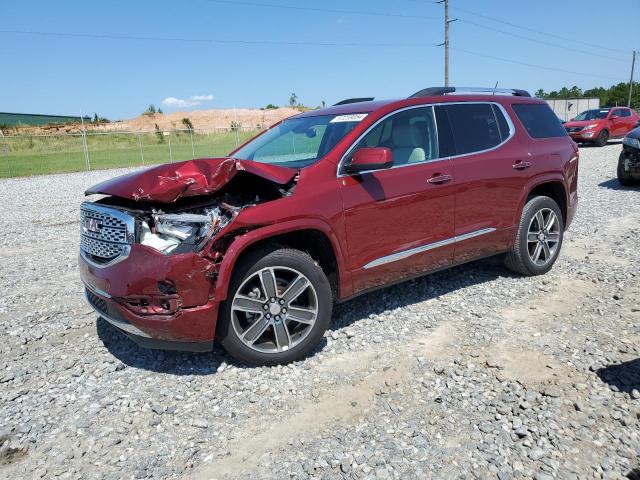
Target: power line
{"points": [[522, 27], [208, 40], [542, 42], [322, 10], [532, 65], [422, 17], [539, 32]]}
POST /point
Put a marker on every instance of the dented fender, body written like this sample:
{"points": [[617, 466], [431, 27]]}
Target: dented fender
{"points": [[246, 239]]}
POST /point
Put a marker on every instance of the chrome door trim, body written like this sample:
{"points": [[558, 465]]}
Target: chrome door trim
{"points": [[394, 257], [512, 132]]}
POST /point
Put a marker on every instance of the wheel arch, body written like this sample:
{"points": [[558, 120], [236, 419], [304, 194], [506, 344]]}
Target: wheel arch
{"points": [[316, 238], [553, 188]]}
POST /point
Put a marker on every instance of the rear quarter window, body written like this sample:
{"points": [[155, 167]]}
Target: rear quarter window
{"points": [[539, 120]]}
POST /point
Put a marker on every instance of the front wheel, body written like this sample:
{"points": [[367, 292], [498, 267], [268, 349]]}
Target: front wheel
{"points": [[278, 308], [539, 237], [602, 139]]}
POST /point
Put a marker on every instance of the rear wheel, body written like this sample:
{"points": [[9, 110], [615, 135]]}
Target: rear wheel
{"points": [[624, 178], [603, 138], [279, 306], [539, 237]]}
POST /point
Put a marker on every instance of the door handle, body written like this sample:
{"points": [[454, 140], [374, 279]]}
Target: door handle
{"points": [[438, 179], [520, 165]]}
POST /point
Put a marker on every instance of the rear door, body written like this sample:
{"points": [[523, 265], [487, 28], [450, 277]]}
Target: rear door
{"points": [[489, 181], [617, 122], [628, 120], [399, 221]]}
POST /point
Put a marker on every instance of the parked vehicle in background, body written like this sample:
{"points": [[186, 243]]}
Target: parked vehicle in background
{"points": [[629, 161], [254, 249], [599, 125]]}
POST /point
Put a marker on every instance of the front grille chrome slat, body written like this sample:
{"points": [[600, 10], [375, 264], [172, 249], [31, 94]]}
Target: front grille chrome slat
{"points": [[105, 234]]}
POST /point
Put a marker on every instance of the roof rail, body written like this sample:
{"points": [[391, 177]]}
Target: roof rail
{"points": [[353, 100], [434, 91]]}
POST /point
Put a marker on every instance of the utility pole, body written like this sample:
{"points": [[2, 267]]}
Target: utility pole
{"points": [[633, 64], [446, 40]]}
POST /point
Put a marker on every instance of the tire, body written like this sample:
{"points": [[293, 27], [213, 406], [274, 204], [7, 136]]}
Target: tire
{"points": [[529, 238], [625, 179], [275, 336], [602, 139]]}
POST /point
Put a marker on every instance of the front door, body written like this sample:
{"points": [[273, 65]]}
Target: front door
{"points": [[399, 221]]}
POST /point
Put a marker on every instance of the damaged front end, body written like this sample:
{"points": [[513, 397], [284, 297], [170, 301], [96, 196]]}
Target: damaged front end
{"points": [[145, 252]]}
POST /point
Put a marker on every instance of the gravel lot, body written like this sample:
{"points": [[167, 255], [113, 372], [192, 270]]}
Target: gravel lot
{"points": [[468, 373]]}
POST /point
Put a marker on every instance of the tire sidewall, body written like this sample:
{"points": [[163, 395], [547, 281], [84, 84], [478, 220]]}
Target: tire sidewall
{"points": [[297, 260], [603, 138], [534, 206]]}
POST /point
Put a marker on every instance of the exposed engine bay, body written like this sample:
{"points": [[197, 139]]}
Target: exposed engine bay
{"points": [[188, 223]]}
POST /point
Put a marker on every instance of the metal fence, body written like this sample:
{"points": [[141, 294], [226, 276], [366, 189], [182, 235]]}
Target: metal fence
{"points": [[23, 155]]}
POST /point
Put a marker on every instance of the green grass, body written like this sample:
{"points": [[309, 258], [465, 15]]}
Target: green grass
{"points": [[38, 155]]}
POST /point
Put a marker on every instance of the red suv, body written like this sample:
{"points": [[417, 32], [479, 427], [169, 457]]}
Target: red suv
{"points": [[253, 250], [599, 125]]}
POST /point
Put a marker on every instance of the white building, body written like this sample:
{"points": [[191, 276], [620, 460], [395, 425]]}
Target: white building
{"points": [[567, 108]]}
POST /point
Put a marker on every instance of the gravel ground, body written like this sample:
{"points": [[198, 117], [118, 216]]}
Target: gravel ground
{"points": [[469, 373]]}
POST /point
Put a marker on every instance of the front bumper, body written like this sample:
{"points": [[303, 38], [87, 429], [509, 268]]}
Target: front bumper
{"points": [[156, 298], [630, 160], [583, 136]]}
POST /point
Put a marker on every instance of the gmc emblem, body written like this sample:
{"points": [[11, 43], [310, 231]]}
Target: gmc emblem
{"points": [[91, 225]]}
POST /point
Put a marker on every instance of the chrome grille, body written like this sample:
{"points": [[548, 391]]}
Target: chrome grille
{"points": [[573, 129], [105, 233]]}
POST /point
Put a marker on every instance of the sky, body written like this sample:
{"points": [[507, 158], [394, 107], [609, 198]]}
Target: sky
{"points": [[115, 58]]}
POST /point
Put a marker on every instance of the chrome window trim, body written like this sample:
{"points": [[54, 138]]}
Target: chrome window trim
{"points": [[394, 257], [512, 132]]}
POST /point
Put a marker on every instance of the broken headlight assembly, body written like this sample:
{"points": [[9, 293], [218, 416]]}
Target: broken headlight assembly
{"points": [[172, 233]]}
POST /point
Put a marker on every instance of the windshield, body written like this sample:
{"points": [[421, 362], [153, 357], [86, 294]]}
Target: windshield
{"points": [[592, 115], [299, 142]]}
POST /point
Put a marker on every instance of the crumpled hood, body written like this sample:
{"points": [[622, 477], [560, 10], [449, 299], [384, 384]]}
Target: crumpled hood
{"points": [[582, 123], [167, 183]]}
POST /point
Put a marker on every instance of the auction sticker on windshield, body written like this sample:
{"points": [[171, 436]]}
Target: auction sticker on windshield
{"points": [[354, 117]]}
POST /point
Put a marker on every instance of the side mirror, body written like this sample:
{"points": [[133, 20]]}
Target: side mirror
{"points": [[376, 158], [613, 117]]}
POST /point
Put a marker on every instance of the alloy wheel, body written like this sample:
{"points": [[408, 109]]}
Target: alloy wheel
{"points": [[543, 236], [274, 309]]}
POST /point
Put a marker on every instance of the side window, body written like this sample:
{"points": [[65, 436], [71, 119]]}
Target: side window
{"points": [[411, 135], [539, 120], [475, 127], [617, 112], [625, 113]]}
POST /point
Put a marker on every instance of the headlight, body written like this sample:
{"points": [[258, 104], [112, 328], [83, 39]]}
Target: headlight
{"points": [[632, 142], [593, 125], [180, 232]]}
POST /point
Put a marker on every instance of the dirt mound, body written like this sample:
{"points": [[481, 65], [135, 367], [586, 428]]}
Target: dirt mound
{"points": [[204, 120]]}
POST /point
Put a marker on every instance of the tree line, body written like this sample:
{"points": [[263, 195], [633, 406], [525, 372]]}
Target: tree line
{"points": [[616, 95]]}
